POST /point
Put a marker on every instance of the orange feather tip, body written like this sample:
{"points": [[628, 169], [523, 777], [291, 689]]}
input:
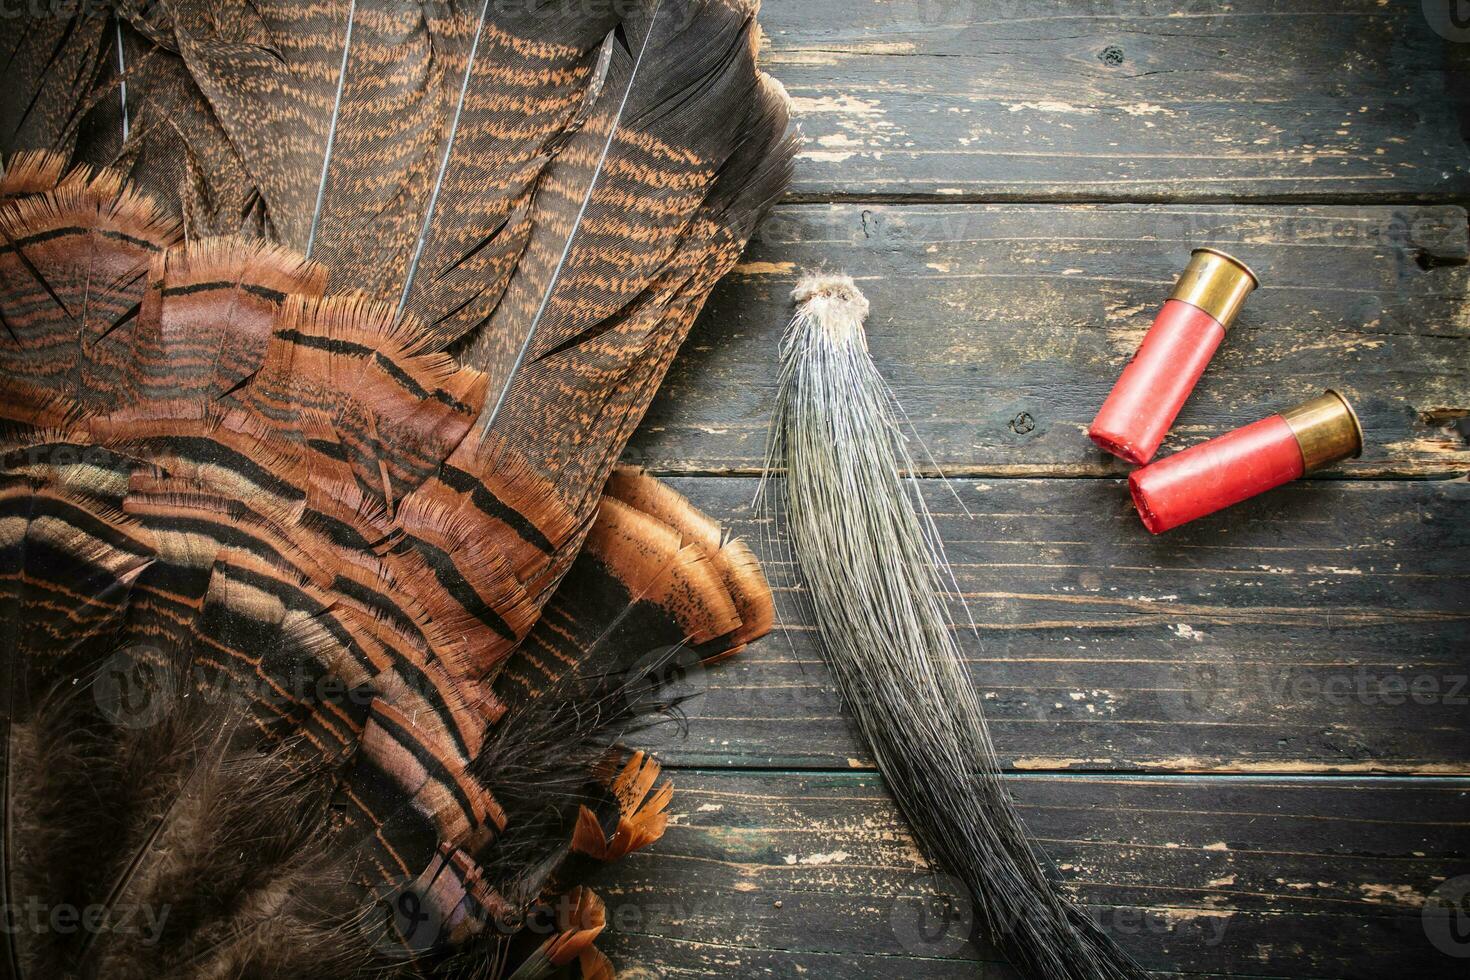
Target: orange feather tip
{"points": [[86, 202], [581, 916], [35, 172], [737, 603], [594, 965], [638, 489], [642, 812], [262, 266]]}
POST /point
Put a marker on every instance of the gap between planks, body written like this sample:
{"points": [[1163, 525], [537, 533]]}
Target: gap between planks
{"points": [[1446, 780], [1388, 199], [952, 473]]}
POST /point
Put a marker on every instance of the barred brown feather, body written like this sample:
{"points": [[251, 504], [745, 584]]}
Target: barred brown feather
{"points": [[274, 556]]}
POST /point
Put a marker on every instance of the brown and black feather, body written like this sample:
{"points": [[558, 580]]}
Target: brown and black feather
{"points": [[300, 632]]}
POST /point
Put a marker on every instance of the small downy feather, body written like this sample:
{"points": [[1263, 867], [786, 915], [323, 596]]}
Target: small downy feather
{"points": [[874, 568]]}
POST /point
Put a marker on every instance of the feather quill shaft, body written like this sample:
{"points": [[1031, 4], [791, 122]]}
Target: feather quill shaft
{"points": [[321, 188], [876, 573], [571, 240], [428, 223], [122, 74]]}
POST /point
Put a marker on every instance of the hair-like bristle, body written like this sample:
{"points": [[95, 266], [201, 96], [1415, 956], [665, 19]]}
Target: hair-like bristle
{"points": [[874, 567]]}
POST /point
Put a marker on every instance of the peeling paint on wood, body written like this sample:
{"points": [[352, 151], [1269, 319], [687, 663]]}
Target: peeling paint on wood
{"points": [[982, 314], [1199, 876], [1128, 100], [1319, 628], [1304, 656]]}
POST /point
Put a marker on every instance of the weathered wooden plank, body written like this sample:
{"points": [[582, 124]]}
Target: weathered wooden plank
{"points": [[1003, 327], [1128, 100], [798, 875], [1322, 627]]}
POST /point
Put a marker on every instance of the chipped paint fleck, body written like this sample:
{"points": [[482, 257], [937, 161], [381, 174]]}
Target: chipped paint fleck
{"points": [[835, 857]]}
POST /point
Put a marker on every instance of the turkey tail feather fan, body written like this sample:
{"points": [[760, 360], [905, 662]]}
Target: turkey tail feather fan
{"points": [[326, 610]]}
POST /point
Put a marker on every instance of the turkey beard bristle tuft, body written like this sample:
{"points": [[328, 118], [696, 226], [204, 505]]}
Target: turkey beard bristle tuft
{"points": [[874, 567]]}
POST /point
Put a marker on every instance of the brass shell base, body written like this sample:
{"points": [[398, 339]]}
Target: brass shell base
{"points": [[1327, 430], [1216, 283]]}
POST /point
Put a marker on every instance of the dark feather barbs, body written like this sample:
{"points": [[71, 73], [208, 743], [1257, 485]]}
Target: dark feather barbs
{"points": [[325, 326]]}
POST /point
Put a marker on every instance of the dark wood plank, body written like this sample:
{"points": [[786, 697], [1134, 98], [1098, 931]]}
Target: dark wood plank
{"points": [[1003, 327], [1322, 627], [801, 875], [1129, 100]]}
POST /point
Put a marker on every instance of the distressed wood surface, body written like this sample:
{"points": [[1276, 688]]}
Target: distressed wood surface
{"points": [[1127, 100], [1320, 628], [1245, 745], [792, 875], [1002, 328]]}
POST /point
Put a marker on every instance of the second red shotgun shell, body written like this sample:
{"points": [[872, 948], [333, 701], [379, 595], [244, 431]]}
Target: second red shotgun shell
{"points": [[1249, 461], [1184, 336]]}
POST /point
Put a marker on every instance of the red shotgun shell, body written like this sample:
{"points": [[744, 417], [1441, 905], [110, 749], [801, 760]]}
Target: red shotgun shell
{"points": [[1249, 461], [1169, 362]]}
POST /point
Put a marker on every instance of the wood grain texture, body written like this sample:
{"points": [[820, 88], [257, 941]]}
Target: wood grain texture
{"points": [[799, 875], [1002, 327], [1306, 656], [1127, 100], [1319, 628]]}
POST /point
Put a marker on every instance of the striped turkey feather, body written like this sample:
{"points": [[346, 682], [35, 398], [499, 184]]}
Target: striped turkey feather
{"points": [[327, 613]]}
